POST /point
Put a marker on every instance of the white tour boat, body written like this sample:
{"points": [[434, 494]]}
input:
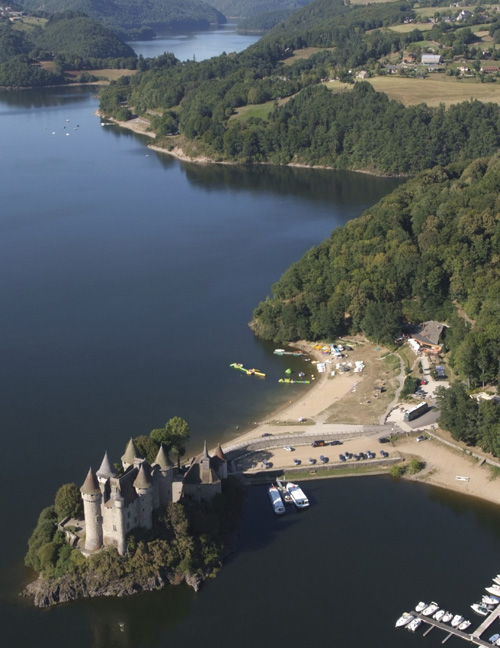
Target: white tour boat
{"points": [[404, 619], [276, 501], [297, 495]]}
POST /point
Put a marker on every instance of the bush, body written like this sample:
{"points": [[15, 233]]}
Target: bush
{"points": [[396, 471]]}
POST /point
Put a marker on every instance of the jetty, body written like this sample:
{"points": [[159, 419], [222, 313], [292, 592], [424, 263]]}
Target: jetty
{"points": [[474, 637]]}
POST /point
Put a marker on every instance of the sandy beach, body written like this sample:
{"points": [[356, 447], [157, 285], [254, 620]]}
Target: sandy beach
{"points": [[443, 464]]}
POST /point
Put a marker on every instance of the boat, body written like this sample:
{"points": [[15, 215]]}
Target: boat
{"points": [[297, 495], [404, 619], [457, 620], [420, 606], [439, 615], [493, 589], [413, 625], [494, 638], [497, 642], [285, 495], [430, 609], [480, 609], [276, 501], [448, 616], [490, 600], [464, 625], [496, 580]]}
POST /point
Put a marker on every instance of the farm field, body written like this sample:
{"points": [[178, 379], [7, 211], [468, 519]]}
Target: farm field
{"points": [[436, 90]]}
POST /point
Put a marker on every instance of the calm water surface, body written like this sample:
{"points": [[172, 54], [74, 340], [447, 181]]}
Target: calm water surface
{"points": [[127, 281]]}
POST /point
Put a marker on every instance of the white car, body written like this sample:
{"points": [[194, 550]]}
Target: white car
{"points": [[288, 448]]}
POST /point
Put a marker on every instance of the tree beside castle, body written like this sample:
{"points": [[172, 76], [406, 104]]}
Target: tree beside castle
{"points": [[135, 526]]}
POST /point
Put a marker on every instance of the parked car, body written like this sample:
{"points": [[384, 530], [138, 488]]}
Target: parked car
{"points": [[318, 444], [341, 457], [312, 461], [288, 448], [383, 440], [336, 442], [296, 462], [422, 438]]}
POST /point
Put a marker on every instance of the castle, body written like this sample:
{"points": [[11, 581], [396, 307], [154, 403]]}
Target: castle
{"points": [[113, 506]]}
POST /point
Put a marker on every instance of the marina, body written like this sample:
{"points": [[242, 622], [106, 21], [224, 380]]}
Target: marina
{"points": [[458, 624]]}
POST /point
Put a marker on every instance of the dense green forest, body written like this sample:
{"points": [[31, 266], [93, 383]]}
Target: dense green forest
{"points": [[433, 244], [126, 17], [245, 8], [263, 22], [69, 40]]}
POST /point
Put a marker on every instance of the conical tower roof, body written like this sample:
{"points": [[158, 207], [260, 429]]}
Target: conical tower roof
{"points": [[220, 453], [131, 453], [162, 459], [205, 451], [106, 470], [90, 485], [142, 480]]}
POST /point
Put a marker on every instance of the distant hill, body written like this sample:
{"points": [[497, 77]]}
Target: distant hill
{"points": [[127, 15], [262, 22], [245, 8], [81, 37]]}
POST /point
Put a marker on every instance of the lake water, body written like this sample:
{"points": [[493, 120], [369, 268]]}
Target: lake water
{"points": [[127, 282]]}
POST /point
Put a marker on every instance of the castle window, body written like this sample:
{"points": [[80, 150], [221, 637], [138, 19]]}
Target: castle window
{"points": [[128, 514], [114, 527]]}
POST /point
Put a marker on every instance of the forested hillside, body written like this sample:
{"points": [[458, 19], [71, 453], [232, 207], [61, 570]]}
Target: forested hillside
{"points": [[431, 244], [65, 42], [245, 8], [129, 16]]}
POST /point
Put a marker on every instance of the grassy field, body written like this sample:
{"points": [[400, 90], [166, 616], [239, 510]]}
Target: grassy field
{"points": [[363, 404], [403, 29], [436, 89], [305, 53]]}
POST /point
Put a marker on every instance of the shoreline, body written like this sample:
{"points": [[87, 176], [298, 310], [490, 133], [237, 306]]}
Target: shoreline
{"points": [[444, 458], [179, 153]]}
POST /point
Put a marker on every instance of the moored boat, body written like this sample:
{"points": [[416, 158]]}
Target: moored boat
{"points": [[493, 589], [464, 625], [276, 501], [480, 609], [448, 616], [413, 625], [439, 615], [494, 638], [404, 619], [420, 606], [457, 620], [490, 600], [430, 609], [297, 495]]}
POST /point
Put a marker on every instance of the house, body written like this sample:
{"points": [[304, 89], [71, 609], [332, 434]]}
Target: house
{"points": [[391, 69], [431, 59], [409, 59], [489, 69], [428, 334], [363, 74]]}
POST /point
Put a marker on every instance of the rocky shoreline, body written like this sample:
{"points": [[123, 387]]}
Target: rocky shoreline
{"points": [[71, 588]]}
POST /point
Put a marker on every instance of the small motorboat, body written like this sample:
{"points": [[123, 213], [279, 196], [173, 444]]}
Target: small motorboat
{"points": [[447, 617], [497, 579], [421, 605], [439, 615], [494, 638], [430, 609], [480, 609], [464, 625], [413, 625], [457, 620], [404, 619], [490, 600], [493, 589]]}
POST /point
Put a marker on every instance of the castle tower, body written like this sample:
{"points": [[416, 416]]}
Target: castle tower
{"points": [[165, 476], [92, 497], [119, 520], [105, 472], [142, 485], [131, 455], [221, 462], [205, 467]]}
